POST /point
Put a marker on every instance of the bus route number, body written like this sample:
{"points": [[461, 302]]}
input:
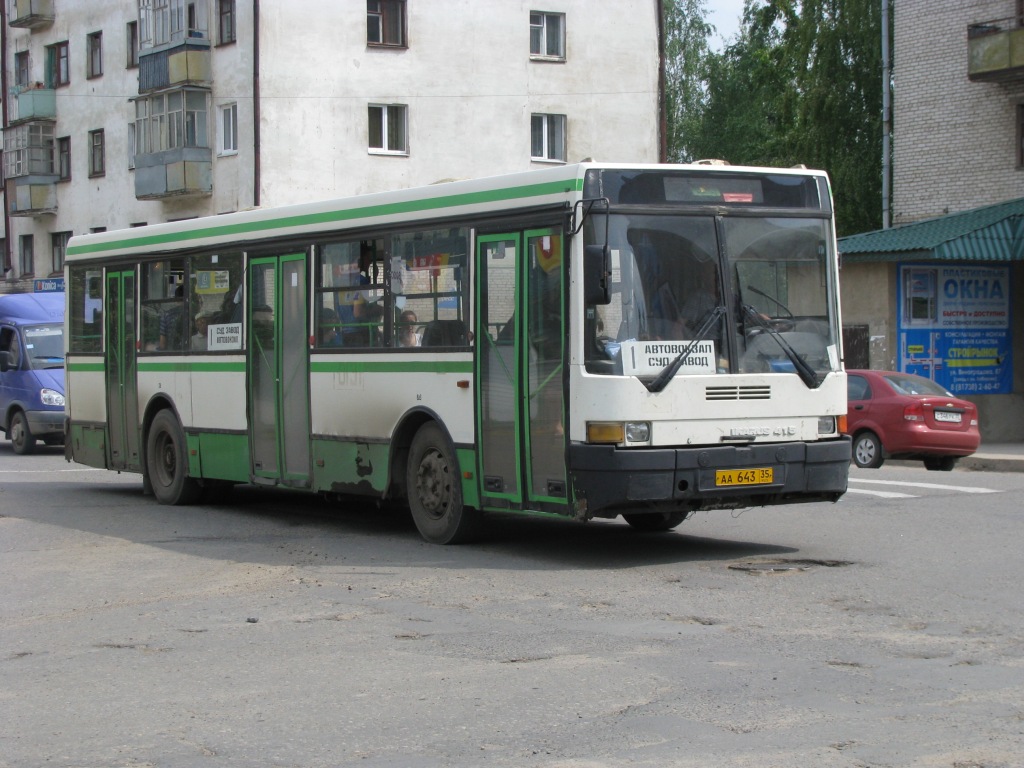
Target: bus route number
{"points": [[753, 476]]}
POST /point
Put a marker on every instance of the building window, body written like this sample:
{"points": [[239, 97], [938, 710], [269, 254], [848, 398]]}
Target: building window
{"points": [[171, 21], [22, 69], [388, 129], [1020, 135], [94, 54], [547, 137], [131, 146], [131, 36], [229, 129], [26, 255], [385, 22], [97, 155], [59, 246], [171, 121], [64, 158], [225, 21], [57, 70], [547, 35]]}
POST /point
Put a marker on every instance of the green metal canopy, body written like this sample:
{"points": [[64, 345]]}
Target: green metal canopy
{"points": [[991, 233]]}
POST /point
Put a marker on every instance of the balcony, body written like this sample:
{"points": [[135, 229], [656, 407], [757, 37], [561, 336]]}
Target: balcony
{"points": [[31, 14], [31, 195], [185, 63], [996, 50], [33, 103], [182, 172]]}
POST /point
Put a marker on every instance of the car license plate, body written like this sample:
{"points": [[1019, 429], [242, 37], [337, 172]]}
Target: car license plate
{"points": [[754, 476], [947, 416]]}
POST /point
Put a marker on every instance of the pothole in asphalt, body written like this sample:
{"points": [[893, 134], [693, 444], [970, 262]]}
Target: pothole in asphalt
{"points": [[783, 565]]}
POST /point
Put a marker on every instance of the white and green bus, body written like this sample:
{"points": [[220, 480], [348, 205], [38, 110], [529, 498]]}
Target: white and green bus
{"points": [[585, 341]]}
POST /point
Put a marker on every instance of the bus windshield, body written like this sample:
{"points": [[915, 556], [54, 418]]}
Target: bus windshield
{"points": [[768, 277], [44, 345]]}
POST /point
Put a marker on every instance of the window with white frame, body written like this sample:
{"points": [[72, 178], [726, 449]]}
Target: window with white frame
{"points": [[547, 35], [94, 54], [28, 149], [547, 137], [97, 153], [228, 125], [64, 158], [385, 22], [171, 120], [171, 21], [388, 129]]}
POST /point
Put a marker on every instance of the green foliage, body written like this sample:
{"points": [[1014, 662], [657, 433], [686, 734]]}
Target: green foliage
{"points": [[801, 83]]}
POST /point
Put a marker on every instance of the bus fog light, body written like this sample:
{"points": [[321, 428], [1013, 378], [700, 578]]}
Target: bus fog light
{"points": [[826, 425], [605, 432], [638, 431]]}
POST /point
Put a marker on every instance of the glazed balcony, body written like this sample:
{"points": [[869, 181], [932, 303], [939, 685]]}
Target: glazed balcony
{"points": [[188, 62], [996, 50]]}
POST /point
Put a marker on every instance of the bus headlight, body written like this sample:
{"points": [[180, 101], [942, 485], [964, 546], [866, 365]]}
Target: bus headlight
{"points": [[51, 397], [638, 432], [606, 432], [826, 425]]}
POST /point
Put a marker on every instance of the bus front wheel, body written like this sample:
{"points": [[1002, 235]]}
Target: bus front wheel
{"points": [[655, 522], [167, 463], [435, 490]]}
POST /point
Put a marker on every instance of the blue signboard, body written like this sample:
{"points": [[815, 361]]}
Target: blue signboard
{"points": [[954, 326], [49, 284]]}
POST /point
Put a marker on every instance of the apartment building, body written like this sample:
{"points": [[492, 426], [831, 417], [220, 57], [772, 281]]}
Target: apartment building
{"points": [[941, 292], [126, 112]]}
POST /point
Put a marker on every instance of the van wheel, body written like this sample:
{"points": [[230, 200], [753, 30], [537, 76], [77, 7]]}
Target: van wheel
{"points": [[167, 463], [22, 439], [435, 490]]}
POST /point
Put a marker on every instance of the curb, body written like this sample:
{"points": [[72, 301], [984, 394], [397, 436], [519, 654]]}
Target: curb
{"points": [[988, 462]]}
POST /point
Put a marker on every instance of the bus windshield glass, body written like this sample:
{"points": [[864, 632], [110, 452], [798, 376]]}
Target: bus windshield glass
{"points": [[44, 345], [736, 293]]}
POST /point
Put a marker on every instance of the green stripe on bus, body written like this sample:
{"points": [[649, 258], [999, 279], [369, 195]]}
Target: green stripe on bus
{"points": [[426, 366], [193, 366], [328, 217], [86, 367]]}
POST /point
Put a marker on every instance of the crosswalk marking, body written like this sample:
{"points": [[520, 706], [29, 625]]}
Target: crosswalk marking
{"points": [[934, 486]]}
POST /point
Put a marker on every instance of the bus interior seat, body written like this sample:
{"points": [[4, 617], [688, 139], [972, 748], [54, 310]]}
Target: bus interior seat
{"points": [[444, 333]]}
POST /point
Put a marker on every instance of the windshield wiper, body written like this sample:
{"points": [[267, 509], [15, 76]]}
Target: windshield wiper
{"points": [[803, 369], [771, 298], [658, 382]]}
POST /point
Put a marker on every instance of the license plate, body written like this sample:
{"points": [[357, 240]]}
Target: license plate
{"points": [[755, 476], [947, 416]]}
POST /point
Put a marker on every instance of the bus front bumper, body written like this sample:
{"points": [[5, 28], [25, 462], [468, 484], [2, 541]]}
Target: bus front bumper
{"points": [[610, 480]]}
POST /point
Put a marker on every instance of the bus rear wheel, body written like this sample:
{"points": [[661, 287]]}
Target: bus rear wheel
{"points": [[167, 463], [435, 490], [22, 439], [654, 522]]}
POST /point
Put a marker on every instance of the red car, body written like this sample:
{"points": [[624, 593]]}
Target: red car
{"points": [[902, 416]]}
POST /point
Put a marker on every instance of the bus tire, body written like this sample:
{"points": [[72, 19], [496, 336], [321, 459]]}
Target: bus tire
{"points": [[655, 522], [22, 439], [167, 462], [435, 489]]}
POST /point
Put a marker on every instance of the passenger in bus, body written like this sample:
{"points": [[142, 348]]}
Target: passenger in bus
{"points": [[172, 323], [407, 335], [203, 320], [329, 335]]}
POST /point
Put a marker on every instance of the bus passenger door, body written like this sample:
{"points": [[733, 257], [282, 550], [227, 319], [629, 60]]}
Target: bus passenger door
{"points": [[120, 364], [278, 370], [519, 376]]}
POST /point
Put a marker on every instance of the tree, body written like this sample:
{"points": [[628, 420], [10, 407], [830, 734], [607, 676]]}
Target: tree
{"points": [[800, 84], [685, 57]]}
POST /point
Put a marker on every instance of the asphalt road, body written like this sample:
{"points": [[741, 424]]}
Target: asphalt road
{"points": [[279, 630]]}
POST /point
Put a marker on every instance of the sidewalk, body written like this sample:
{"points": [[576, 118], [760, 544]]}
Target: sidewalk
{"points": [[995, 457]]}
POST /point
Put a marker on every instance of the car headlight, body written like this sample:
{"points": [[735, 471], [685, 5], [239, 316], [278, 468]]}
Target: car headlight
{"points": [[51, 397]]}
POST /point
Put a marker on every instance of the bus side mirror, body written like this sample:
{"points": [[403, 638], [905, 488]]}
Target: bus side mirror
{"points": [[5, 361], [597, 275]]}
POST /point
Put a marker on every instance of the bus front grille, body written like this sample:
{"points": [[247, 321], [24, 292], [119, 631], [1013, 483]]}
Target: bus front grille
{"points": [[753, 392]]}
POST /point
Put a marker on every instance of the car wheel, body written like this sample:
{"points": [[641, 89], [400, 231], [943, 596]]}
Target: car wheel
{"points": [[867, 451], [940, 463], [22, 439]]}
